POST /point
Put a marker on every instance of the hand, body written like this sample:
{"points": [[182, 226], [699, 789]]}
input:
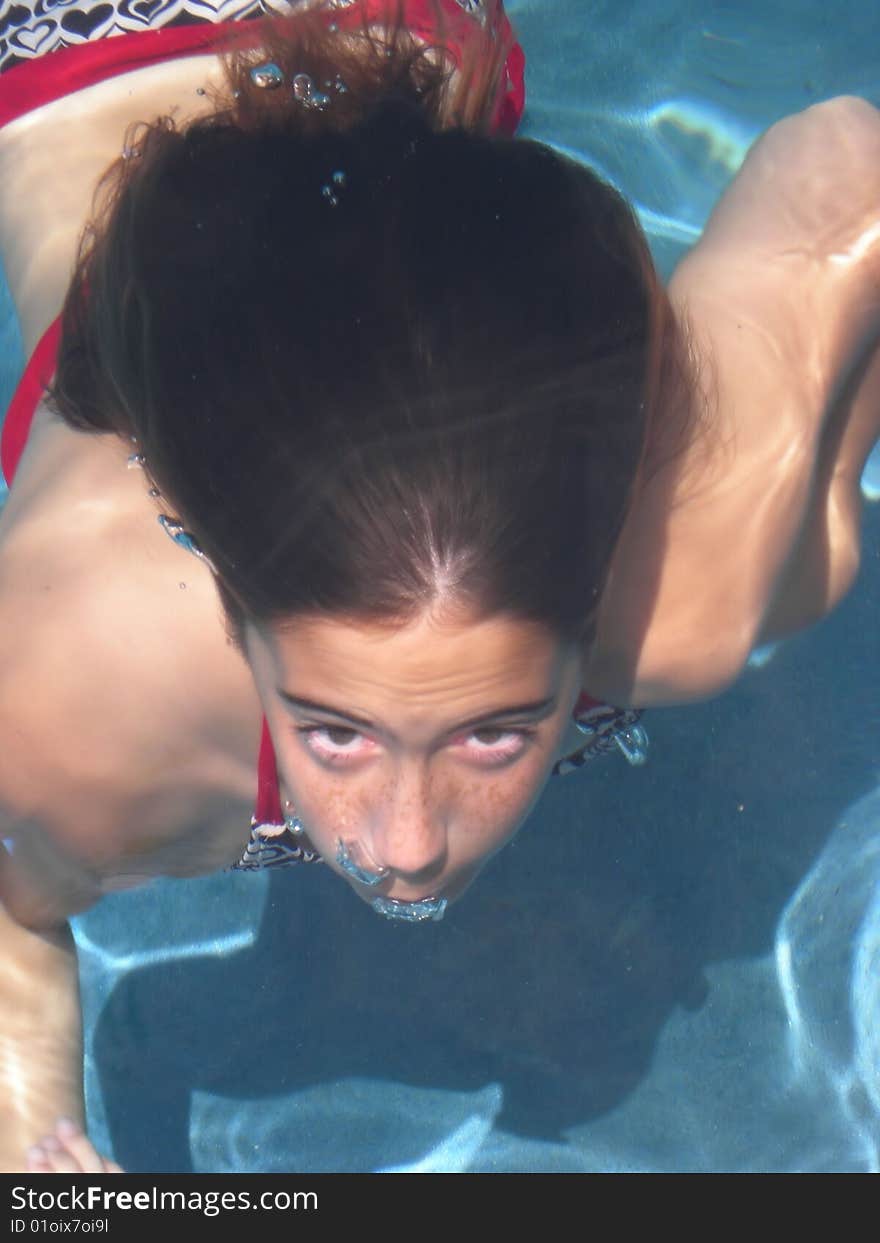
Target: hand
{"points": [[68, 1151]]}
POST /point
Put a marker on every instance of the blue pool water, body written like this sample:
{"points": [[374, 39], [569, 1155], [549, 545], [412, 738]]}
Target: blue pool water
{"points": [[672, 968]]}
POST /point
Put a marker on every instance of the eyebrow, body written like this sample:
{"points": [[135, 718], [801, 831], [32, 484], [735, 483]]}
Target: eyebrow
{"points": [[538, 710]]}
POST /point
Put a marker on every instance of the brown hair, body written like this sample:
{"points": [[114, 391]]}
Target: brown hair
{"points": [[374, 355]]}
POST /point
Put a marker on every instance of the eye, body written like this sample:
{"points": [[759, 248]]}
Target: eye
{"points": [[335, 742], [338, 744], [496, 744]]}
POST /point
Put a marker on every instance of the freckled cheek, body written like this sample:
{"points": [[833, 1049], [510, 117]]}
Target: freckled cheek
{"points": [[489, 811], [328, 808]]}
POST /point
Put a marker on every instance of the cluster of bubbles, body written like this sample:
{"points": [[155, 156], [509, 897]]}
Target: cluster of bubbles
{"points": [[338, 180], [269, 77]]}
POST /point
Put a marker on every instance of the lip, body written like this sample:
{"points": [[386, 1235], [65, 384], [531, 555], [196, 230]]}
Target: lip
{"points": [[449, 892], [381, 890], [451, 888], [428, 906], [422, 910]]}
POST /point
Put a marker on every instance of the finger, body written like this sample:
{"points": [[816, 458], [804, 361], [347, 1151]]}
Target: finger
{"points": [[79, 1147], [58, 1159], [37, 1161]]}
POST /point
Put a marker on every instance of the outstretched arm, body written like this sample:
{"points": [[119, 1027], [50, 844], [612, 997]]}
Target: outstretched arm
{"points": [[40, 1036]]}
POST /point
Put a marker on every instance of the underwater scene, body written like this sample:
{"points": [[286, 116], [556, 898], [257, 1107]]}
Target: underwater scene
{"points": [[675, 966]]}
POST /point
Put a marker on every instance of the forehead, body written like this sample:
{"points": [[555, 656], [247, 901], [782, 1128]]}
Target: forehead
{"points": [[426, 665]]}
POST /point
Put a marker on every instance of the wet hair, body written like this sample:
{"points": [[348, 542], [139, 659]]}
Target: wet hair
{"points": [[378, 358]]}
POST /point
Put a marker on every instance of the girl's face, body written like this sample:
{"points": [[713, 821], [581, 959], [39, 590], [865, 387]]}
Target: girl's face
{"points": [[415, 752]]}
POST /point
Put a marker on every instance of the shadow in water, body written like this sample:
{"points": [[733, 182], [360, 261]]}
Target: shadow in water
{"points": [[554, 977]]}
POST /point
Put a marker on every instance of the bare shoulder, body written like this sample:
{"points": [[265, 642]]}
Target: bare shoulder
{"points": [[126, 751], [782, 294], [128, 725], [829, 154], [809, 187], [848, 118], [850, 121]]}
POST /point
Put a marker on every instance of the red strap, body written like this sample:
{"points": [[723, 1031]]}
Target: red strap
{"points": [[28, 395], [268, 808]]}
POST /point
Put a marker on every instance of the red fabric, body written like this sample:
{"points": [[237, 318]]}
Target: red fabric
{"points": [[27, 86], [35, 82], [584, 703], [19, 416], [268, 808]]}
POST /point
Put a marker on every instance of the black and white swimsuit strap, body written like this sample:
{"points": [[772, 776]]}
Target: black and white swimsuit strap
{"points": [[606, 729], [273, 846], [32, 28]]}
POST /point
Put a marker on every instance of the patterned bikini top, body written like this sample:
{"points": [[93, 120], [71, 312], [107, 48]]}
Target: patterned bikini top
{"points": [[29, 31], [272, 844]]}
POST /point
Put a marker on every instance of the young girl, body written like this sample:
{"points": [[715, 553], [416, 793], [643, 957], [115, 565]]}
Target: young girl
{"points": [[370, 433]]}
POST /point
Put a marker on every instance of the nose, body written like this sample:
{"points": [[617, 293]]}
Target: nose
{"points": [[408, 829]]}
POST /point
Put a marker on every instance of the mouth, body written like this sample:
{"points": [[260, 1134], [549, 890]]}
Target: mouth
{"points": [[421, 911], [356, 863]]}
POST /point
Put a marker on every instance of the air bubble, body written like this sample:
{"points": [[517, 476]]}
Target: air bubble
{"points": [[304, 91], [303, 87], [268, 77]]}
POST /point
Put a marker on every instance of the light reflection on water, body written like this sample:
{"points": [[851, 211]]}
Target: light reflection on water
{"points": [[779, 1067]]}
